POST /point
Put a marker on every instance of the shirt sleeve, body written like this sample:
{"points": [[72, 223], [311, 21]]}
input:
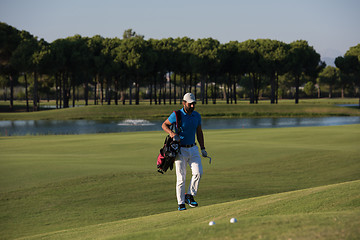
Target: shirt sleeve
{"points": [[172, 118]]}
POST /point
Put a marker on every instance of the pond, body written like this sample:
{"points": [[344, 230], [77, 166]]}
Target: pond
{"points": [[54, 127]]}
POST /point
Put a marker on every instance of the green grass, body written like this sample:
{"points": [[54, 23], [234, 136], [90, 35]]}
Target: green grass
{"points": [[86, 184], [306, 108], [329, 212]]}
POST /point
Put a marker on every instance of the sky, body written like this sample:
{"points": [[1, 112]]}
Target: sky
{"points": [[330, 26]]}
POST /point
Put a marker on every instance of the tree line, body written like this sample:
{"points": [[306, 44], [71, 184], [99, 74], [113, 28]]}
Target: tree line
{"points": [[113, 69]]}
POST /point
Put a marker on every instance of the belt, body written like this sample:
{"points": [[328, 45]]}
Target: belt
{"points": [[188, 146]]}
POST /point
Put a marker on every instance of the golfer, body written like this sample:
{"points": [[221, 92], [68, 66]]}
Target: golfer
{"points": [[189, 152]]}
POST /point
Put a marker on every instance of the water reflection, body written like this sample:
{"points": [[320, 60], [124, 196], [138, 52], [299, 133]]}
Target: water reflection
{"points": [[136, 122], [278, 122], [45, 127]]}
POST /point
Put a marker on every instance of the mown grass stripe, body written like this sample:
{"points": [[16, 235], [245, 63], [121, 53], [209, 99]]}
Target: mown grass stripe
{"points": [[194, 222]]}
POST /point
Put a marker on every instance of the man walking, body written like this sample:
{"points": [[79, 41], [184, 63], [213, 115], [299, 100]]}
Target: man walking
{"points": [[189, 152]]}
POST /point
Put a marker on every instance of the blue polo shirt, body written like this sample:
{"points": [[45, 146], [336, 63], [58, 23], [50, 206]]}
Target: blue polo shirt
{"points": [[189, 126]]}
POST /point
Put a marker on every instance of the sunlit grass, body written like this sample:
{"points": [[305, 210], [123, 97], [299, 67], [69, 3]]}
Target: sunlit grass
{"points": [[54, 183]]}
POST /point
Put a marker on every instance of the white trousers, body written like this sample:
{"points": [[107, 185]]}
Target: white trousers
{"points": [[192, 157]]}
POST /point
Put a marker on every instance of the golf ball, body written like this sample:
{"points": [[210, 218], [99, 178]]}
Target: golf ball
{"points": [[233, 220], [211, 223]]}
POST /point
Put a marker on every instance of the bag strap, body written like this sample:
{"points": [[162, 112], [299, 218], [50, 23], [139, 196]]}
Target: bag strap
{"points": [[178, 128]]}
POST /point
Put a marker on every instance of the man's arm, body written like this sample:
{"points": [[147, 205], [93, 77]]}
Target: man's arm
{"points": [[200, 137], [166, 127]]}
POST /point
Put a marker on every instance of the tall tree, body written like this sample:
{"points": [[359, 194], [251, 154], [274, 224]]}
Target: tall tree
{"points": [[228, 58], [273, 60], [97, 63], [303, 59], [350, 66], [22, 59], [40, 64], [110, 67], [168, 61], [329, 76], [131, 53], [206, 62], [256, 68], [78, 60], [184, 68], [234, 62], [9, 41]]}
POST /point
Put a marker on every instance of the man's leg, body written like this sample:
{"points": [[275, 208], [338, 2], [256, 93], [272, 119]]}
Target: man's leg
{"points": [[180, 165], [197, 171]]}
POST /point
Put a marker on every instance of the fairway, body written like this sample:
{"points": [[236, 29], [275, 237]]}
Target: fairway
{"points": [[291, 215], [279, 183]]}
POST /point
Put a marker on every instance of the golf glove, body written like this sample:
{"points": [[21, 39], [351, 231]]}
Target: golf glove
{"points": [[203, 153]]}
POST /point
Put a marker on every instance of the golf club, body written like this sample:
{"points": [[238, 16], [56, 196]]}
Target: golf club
{"points": [[209, 159]]}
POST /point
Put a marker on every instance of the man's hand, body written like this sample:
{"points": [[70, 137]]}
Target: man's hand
{"points": [[203, 152], [165, 126], [172, 134]]}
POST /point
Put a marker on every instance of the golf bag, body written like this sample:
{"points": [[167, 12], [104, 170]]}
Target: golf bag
{"points": [[171, 148]]}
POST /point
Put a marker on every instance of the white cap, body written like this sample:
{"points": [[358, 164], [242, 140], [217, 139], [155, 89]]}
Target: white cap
{"points": [[189, 97]]}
